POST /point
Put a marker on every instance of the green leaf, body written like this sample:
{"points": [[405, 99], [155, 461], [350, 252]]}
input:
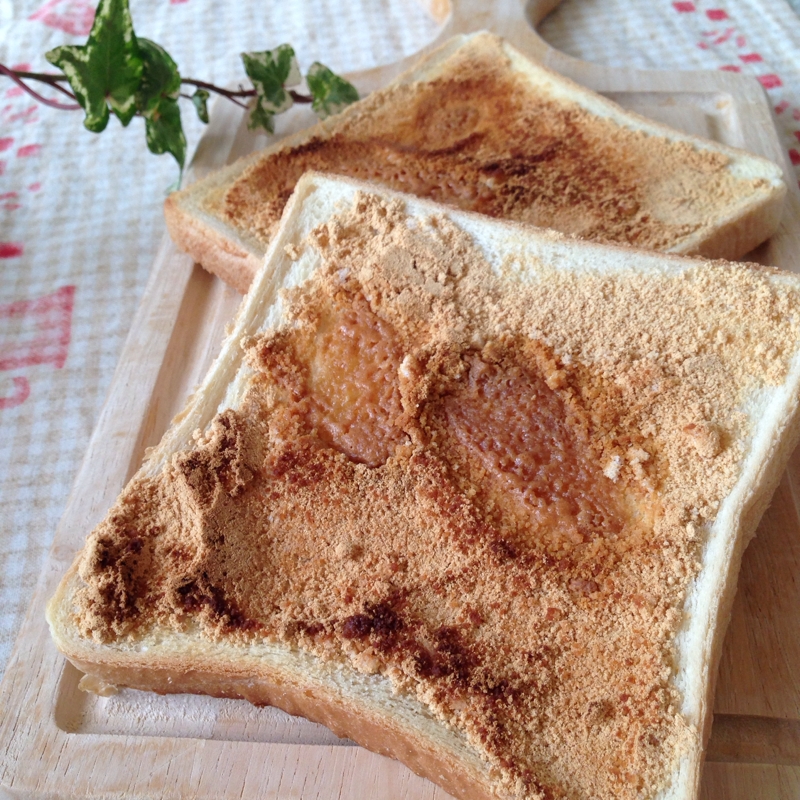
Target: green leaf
{"points": [[261, 117], [165, 132], [270, 71], [106, 70], [200, 101], [157, 102], [330, 92], [160, 77]]}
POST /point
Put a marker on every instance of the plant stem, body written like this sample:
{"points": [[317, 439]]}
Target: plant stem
{"points": [[54, 81], [231, 95], [300, 98], [50, 80]]}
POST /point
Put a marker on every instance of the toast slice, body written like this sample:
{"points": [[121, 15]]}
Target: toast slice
{"points": [[470, 493], [478, 126]]}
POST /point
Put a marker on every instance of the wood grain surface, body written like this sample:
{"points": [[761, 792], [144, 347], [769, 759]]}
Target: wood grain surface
{"points": [[56, 741]]}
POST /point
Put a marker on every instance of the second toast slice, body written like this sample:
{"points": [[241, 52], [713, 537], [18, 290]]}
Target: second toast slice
{"points": [[479, 126]]}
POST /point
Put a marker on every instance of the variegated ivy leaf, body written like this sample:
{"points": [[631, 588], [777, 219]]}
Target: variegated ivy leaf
{"points": [[330, 92], [164, 130], [261, 117], [200, 102], [160, 77], [271, 71], [157, 101], [107, 69]]}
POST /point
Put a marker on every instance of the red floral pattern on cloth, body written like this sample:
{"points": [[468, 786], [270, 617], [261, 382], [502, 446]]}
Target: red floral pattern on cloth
{"points": [[11, 249], [36, 331], [17, 111], [33, 332], [727, 45], [71, 16], [22, 391]]}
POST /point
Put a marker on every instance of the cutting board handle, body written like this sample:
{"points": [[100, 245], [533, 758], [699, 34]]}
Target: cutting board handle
{"points": [[514, 20]]}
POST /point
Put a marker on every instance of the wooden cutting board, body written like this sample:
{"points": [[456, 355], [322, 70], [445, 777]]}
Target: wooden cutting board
{"points": [[56, 741]]}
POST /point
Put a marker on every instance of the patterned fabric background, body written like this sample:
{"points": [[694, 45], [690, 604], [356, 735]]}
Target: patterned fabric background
{"points": [[80, 215]]}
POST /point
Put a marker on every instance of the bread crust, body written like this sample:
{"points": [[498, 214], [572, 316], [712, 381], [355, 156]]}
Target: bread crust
{"points": [[377, 733], [738, 236], [214, 672], [783, 445], [218, 254]]}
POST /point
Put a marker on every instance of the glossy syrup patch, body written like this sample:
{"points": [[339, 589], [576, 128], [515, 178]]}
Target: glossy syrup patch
{"points": [[352, 382], [532, 454]]}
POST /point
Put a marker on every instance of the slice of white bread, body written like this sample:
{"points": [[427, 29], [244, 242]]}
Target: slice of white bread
{"points": [[678, 383], [479, 126]]}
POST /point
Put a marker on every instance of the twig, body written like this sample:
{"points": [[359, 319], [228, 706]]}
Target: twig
{"points": [[300, 98], [232, 95], [50, 80], [54, 81], [219, 89]]}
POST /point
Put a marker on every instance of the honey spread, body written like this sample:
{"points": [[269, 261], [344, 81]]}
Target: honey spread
{"points": [[488, 487], [483, 137]]}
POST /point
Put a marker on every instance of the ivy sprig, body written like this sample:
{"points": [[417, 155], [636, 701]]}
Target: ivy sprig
{"points": [[116, 72]]}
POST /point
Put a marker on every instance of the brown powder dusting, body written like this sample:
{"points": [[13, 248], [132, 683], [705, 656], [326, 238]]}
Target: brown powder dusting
{"points": [[481, 138], [490, 491]]}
